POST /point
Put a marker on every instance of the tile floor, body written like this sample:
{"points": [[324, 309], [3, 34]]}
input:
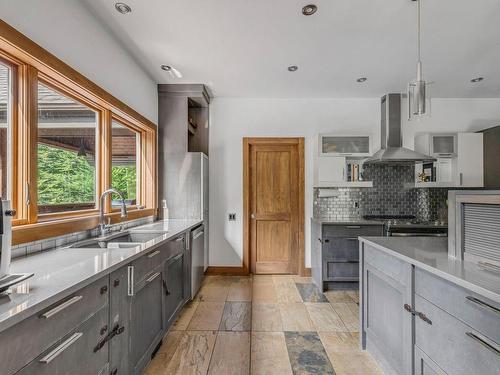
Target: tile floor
{"points": [[265, 325]]}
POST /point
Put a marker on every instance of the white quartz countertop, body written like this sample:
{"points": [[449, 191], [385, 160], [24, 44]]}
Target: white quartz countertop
{"points": [[60, 272], [431, 254]]}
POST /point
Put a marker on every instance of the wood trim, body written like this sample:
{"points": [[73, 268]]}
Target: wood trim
{"points": [[32, 63], [43, 230], [23, 48], [234, 271], [247, 142]]}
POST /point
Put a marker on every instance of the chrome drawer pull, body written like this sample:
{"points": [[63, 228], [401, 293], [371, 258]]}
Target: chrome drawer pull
{"points": [[61, 307], [353, 227], [154, 253], [61, 348], [489, 267], [152, 277], [179, 239], [483, 343], [483, 304], [352, 238], [130, 280]]}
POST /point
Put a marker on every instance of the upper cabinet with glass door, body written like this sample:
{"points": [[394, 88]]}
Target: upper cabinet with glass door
{"points": [[437, 145], [345, 145]]}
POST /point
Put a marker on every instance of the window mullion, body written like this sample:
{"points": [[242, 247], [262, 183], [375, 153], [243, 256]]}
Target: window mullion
{"points": [[30, 190], [106, 150]]}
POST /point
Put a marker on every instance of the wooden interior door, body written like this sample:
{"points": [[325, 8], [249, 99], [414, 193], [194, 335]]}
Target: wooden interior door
{"points": [[275, 214]]}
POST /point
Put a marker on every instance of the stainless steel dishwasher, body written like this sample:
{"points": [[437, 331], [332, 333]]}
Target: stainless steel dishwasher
{"points": [[197, 258]]}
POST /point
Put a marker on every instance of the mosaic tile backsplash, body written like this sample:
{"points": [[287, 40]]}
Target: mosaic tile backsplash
{"points": [[388, 196], [25, 249]]}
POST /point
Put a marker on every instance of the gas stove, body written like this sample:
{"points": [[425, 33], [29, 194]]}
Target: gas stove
{"points": [[409, 225]]}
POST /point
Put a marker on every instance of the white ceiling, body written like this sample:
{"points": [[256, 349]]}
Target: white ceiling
{"points": [[243, 47]]}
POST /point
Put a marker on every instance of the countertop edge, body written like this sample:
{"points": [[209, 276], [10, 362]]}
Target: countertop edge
{"points": [[39, 306], [456, 280]]}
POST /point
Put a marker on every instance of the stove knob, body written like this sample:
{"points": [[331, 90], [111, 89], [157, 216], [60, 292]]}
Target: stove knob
{"points": [[10, 213]]}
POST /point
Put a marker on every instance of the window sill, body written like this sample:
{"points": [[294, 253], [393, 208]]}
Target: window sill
{"points": [[59, 227]]}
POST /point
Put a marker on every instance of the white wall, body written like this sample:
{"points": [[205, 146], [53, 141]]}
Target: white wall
{"points": [[235, 118], [69, 31]]}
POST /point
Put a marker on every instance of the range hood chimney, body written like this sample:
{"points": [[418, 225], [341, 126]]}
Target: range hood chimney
{"points": [[392, 150]]}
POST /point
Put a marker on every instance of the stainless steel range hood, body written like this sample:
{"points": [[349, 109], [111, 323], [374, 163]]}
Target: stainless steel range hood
{"points": [[392, 150]]}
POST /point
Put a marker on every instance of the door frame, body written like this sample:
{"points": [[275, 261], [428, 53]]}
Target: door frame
{"points": [[247, 143]]}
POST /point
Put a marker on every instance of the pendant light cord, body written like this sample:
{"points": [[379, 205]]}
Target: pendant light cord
{"points": [[418, 29]]}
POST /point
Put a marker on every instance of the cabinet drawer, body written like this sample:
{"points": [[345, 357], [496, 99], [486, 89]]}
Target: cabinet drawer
{"points": [[341, 271], [352, 230], [26, 340], [341, 249], [476, 311], [385, 263], [454, 346], [74, 354]]}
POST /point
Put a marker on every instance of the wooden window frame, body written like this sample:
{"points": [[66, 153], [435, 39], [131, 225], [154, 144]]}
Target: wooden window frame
{"points": [[31, 63]]}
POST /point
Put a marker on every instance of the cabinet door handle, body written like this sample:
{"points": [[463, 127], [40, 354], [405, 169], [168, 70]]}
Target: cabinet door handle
{"points": [[461, 177], [353, 227], [484, 305], [320, 240], [153, 254], [484, 343], [61, 307], [152, 277], [61, 348], [165, 286], [179, 239], [327, 240], [352, 238], [414, 312], [130, 280]]}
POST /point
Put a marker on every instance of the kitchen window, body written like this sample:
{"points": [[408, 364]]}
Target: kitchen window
{"points": [[125, 165], [5, 129], [64, 141], [66, 152]]}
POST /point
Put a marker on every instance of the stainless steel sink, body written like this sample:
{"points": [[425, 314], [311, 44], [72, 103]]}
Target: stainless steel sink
{"points": [[118, 240]]}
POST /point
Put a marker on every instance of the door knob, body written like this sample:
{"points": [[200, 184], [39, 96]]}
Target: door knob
{"points": [[252, 216]]}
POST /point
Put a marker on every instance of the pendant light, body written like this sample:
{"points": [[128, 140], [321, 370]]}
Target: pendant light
{"points": [[417, 89]]}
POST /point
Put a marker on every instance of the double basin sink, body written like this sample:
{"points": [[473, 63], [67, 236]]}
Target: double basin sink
{"points": [[125, 239]]}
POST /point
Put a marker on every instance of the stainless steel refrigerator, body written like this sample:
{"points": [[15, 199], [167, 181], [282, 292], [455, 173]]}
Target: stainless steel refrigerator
{"points": [[185, 187]]}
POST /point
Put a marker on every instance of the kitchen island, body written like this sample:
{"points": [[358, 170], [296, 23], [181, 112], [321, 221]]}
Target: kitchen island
{"points": [[422, 312]]}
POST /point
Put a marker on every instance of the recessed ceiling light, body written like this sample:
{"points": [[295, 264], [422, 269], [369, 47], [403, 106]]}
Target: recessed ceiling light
{"points": [[172, 71], [123, 8], [361, 80], [293, 68], [309, 10], [476, 80]]}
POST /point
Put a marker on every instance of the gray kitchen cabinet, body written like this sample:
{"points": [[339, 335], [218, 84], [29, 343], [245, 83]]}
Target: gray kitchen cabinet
{"points": [[424, 365], [77, 352], [173, 284], [28, 339], [335, 253], [387, 326], [186, 273], [119, 316], [145, 320], [454, 346]]}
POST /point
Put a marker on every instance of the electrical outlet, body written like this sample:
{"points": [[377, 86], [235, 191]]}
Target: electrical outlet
{"points": [[232, 217]]}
